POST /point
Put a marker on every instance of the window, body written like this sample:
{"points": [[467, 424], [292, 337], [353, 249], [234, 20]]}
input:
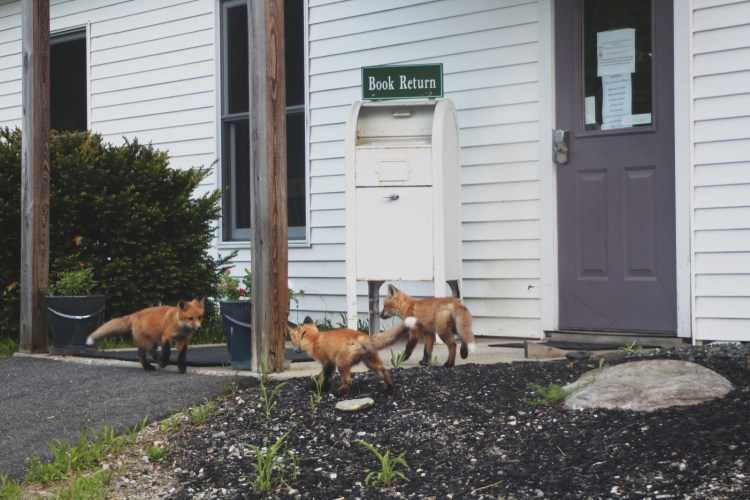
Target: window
{"points": [[235, 121], [68, 101]]}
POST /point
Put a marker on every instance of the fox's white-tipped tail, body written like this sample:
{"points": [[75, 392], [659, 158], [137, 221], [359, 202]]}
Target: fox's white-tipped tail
{"points": [[472, 346], [89, 341], [410, 321]]}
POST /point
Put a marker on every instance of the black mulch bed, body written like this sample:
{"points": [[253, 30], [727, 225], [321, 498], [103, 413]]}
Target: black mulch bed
{"points": [[467, 433]]}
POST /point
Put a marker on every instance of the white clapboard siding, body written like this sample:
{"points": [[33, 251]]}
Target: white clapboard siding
{"points": [[151, 67], [489, 53], [721, 178]]}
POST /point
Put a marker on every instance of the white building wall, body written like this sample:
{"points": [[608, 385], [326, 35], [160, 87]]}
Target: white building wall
{"points": [[151, 71], [721, 169], [490, 56], [152, 75]]}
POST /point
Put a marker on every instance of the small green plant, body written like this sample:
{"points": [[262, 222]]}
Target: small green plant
{"points": [[316, 396], [599, 366], [266, 464], [551, 394], [170, 424], [156, 453], [76, 282], [387, 473], [90, 486], [431, 362], [705, 352], [68, 459], [8, 346], [199, 414], [397, 359], [268, 403], [8, 488], [632, 348]]}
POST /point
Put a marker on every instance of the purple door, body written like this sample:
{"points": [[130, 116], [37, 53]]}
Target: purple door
{"points": [[616, 222]]}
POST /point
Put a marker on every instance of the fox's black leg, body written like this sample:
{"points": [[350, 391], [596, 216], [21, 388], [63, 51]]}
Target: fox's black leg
{"points": [[464, 350], [165, 352], [155, 353], [144, 361], [182, 357]]}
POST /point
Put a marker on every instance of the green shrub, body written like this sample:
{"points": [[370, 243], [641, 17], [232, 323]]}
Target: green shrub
{"points": [[120, 210]]}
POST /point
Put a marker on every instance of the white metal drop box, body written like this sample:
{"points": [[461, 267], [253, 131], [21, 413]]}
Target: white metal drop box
{"points": [[403, 197]]}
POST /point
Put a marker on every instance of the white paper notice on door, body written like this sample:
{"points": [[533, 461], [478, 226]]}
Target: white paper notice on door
{"points": [[617, 100], [615, 52]]}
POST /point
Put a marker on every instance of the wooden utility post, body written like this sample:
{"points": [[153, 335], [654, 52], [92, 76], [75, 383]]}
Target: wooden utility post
{"points": [[268, 184], [35, 174]]}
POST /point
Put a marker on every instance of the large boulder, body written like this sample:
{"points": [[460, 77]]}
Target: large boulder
{"points": [[646, 386]]}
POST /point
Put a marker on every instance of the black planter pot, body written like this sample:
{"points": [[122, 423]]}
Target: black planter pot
{"points": [[235, 322], [71, 320]]}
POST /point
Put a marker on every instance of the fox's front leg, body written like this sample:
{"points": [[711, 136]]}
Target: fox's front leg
{"points": [[324, 377], [165, 353], [182, 347]]}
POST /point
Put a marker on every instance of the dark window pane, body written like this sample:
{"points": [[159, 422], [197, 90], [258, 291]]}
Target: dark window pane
{"points": [[238, 98], [295, 150], [294, 41], [68, 102], [238, 155]]}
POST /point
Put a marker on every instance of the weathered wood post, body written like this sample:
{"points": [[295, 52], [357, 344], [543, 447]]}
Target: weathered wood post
{"points": [[268, 184], [35, 173]]}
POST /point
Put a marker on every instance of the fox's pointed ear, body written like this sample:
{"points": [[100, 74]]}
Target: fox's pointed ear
{"points": [[289, 324], [392, 290], [201, 300], [308, 320], [181, 304]]}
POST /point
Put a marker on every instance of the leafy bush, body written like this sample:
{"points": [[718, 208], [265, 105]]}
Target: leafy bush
{"points": [[120, 210]]}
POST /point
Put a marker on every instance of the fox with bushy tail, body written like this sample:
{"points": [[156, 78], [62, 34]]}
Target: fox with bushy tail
{"points": [[345, 347], [443, 316], [156, 327]]}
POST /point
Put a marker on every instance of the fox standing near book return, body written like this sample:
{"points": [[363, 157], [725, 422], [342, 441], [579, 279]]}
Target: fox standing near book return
{"points": [[444, 316], [157, 326]]}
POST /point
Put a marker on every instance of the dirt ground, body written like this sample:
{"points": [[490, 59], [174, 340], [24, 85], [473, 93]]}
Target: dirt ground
{"points": [[470, 431]]}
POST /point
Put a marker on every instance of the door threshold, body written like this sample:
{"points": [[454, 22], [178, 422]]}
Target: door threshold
{"points": [[622, 338]]}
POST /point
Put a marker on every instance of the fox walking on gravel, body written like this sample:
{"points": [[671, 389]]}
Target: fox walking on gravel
{"points": [[345, 348], [157, 326], [443, 316]]}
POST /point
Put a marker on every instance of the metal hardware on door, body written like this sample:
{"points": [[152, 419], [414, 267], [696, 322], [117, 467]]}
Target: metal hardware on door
{"points": [[392, 197], [560, 146]]}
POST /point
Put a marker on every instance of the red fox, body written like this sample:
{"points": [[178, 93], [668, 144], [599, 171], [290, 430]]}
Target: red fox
{"points": [[344, 348], [444, 316], [157, 326]]}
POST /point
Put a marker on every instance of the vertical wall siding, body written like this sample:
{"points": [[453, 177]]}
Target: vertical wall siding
{"points": [[489, 51], [721, 196], [152, 71]]}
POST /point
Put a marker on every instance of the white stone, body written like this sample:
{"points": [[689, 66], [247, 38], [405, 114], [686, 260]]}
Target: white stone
{"points": [[354, 404]]}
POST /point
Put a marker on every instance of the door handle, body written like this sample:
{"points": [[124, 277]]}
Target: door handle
{"points": [[560, 146], [392, 197]]}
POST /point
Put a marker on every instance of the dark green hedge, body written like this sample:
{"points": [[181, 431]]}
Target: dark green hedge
{"points": [[121, 210]]}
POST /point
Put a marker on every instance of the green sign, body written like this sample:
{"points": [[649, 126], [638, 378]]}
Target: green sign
{"points": [[402, 82]]}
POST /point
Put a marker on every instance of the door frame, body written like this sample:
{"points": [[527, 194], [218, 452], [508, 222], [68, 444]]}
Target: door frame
{"points": [[683, 175]]}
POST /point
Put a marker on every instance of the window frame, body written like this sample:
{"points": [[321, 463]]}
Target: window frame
{"points": [[231, 234]]}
